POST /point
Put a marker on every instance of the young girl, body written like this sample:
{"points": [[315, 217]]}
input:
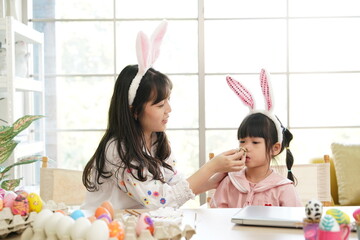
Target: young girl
{"points": [[133, 166], [261, 137]]}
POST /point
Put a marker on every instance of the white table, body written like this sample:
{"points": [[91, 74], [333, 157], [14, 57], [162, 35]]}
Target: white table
{"points": [[215, 223]]}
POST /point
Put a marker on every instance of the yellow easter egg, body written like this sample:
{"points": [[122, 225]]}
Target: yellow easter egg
{"points": [[35, 202], [340, 216]]}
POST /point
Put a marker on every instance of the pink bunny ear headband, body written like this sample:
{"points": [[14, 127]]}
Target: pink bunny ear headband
{"points": [[147, 51], [247, 99]]}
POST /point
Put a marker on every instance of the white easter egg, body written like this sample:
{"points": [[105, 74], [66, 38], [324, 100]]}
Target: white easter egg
{"points": [[79, 228], [27, 234], [41, 218], [52, 223], [64, 226], [98, 231]]}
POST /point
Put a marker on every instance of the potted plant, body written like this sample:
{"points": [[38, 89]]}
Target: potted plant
{"points": [[7, 146]]}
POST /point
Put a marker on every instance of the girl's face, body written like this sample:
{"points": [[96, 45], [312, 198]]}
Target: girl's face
{"points": [[256, 155], [155, 116], [256, 151]]}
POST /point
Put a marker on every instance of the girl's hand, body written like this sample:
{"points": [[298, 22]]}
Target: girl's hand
{"points": [[229, 161]]}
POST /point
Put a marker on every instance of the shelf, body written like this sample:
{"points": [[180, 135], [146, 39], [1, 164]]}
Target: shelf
{"points": [[22, 32], [30, 101]]}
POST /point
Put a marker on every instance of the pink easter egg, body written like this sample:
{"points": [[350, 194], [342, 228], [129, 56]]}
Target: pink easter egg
{"points": [[356, 215], [145, 222], [9, 199], [20, 206], [2, 193]]}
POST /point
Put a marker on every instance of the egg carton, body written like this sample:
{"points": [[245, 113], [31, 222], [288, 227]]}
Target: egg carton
{"points": [[163, 230], [10, 223]]}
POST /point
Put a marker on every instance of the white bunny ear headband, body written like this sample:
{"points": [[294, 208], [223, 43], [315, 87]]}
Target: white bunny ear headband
{"points": [[147, 51], [247, 99]]}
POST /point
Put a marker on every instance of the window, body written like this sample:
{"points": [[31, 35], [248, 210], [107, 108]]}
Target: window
{"points": [[312, 54]]}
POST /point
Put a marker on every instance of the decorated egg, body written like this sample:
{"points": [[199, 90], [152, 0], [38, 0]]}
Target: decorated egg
{"points": [[20, 206], [9, 198], [356, 215], [77, 214], [105, 217], [35, 202], [100, 211], [328, 223], [2, 193], [98, 231], [80, 228], [64, 225], [108, 206], [21, 192], [145, 222], [313, 209], [116, 230], [1, 203], [340, 216]]}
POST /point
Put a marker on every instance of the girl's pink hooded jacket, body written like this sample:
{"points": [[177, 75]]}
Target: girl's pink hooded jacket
{"points": [[235, 191]]}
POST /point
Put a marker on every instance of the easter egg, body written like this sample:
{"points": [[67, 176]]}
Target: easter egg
{"points": [[116, 230], [105, 217], [356, 215], [2, 193], [64, 225], [328, 223], [77, 214], [21, 192], [20, 206], [98, 231], [313, 209], [35, 202], [145, 222], [9, 198], [100, 211], [51, 224], [80, 228], [41, 218], [340, 216], [108, 206], [1, 203]]}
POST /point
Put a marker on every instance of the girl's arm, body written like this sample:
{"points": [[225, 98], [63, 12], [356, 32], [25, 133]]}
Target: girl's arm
{"points": [[202, 180]]}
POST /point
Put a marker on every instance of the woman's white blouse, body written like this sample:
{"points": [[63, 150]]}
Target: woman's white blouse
{"points": [[124, 191]]}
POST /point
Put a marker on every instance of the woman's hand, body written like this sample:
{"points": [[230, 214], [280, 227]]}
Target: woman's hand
{"points": [[229, 161]]}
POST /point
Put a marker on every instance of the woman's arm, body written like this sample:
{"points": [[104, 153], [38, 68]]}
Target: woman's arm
{"points": [[202, 180]]}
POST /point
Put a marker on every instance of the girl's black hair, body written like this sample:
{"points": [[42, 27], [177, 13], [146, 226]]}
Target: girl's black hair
{"points": [[124, 128], [259, 125]]}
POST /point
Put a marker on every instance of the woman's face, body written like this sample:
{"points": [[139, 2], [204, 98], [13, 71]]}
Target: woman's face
{"points": [[154, 117]]}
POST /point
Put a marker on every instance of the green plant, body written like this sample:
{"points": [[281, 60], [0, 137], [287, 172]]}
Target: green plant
{"points": [[7, 146]]}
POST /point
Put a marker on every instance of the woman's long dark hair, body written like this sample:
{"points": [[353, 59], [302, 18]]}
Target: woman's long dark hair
{"points": [[259, 125], [125, 130]]}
